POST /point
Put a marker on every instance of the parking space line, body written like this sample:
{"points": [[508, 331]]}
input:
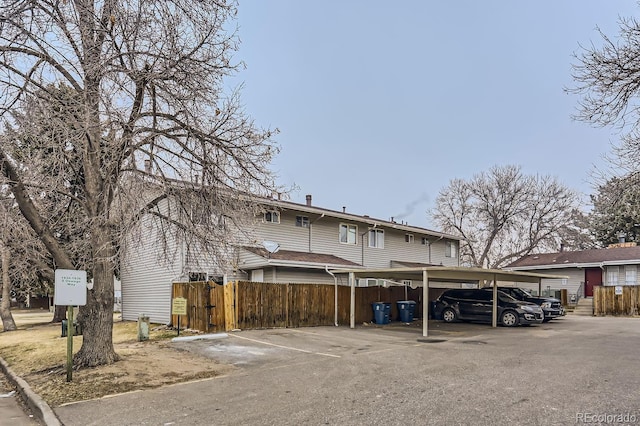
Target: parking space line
{"points": [[285, 347]]}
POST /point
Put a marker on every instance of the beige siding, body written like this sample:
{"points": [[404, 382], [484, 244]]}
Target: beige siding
{"points": [[323, 237], [146, 278], [291, 275]]}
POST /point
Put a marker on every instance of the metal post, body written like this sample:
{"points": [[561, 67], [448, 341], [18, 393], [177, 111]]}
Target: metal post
{"points": [[70, 330], [352, 307], [494, 314], [425, 303]]}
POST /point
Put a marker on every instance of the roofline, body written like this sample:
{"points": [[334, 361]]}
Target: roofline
{"points": [[440, 271], [366, 219], [575, 265], [298, 264]]}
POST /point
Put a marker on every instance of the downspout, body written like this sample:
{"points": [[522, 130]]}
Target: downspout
{"points": [[335, 301]]}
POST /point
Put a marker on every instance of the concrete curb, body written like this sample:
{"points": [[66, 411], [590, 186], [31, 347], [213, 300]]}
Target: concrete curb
{"points": [[39, 407]]}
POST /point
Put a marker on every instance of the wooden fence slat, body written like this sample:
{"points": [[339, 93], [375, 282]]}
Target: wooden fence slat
{"points": [[607, 302]]}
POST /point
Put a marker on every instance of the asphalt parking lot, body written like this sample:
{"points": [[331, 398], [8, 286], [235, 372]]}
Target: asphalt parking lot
{"points": [[570, 371]]}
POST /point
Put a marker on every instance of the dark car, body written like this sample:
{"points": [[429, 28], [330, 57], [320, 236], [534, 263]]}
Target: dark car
{"points": [[551, 306], [477, 305]]}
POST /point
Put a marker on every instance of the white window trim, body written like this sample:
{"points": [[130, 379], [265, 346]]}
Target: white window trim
{"points": [[348, 226], [377, 241], [304, 221], [409, 238], [631, 275], [613, 272], [451, 249], [273, 213]]}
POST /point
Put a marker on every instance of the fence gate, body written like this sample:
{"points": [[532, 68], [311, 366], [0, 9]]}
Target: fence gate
{"points": [[205, 306]]}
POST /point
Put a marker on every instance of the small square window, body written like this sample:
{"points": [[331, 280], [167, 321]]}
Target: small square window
{"points": [[302, 221], [348, 233], [408, 238], [272, 217], [425, 241]]}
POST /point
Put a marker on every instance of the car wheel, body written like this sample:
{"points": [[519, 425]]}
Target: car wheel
{"points": [[509, 319], [449, 315]]}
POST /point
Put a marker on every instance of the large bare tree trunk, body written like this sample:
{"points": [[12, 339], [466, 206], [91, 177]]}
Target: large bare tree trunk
{"points": [[96, 317], [5, 306]]}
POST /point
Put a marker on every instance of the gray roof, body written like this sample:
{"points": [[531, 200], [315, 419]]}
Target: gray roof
{"points": [[302, 257], [615, 255]]}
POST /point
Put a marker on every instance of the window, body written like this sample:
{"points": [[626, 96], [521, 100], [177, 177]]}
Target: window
{"points": [[197, 276], [408, 238], [425, 241], [348, 233], [612, 275], [450, 249], [272, 217], [630, 275], [376, 238], [302, 221]]}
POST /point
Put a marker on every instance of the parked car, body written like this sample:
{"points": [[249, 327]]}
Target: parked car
{"points": [[551, 306], [477, 305]]}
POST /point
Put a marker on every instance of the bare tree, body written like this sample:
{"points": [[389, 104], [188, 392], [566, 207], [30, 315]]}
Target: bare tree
{"points": [[503, 214], [131, 112], [608, 80]]}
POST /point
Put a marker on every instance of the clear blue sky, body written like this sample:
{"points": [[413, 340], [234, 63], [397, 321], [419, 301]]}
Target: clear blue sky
{"points": [[380, 104]]}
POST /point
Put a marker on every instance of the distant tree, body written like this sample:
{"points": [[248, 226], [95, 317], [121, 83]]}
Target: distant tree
{"points": [[132, 112], [503, 215], [616, 211], [608, 80], [577, 234]]}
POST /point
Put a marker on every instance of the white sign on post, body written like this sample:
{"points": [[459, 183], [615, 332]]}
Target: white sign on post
{"points": [[70, 288]]}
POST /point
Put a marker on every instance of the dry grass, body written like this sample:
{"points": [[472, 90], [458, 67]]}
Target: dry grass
{"points": [[37, 353]]}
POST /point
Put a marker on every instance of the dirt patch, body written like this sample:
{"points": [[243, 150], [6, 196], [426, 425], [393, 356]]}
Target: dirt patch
{"points": [[37, 353]]}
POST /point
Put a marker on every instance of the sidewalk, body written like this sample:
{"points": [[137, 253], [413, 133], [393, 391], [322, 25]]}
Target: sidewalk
{"points": [[12, 412]]}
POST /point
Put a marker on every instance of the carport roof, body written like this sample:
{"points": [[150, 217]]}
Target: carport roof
{"points": [[450, 273]]}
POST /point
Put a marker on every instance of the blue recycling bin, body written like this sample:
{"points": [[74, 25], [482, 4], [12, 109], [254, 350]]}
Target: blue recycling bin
{"points": [[406, 309], [381, 312]]}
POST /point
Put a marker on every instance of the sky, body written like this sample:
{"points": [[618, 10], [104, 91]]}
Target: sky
{"points": [[380, 104]]}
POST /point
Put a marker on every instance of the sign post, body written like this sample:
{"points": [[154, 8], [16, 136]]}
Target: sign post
{"points": [[179, 307], [70, 290]]}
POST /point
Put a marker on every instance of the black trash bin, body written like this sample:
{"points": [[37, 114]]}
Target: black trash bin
{"points": [[381, 312], [406, 309]]}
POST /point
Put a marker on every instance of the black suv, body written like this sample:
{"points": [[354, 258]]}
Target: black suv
{"points": [[551, 306], [477, 305]]}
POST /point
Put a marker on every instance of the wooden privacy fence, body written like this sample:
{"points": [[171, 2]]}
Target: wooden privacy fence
{"points": [[251, 305], [607, 302]]}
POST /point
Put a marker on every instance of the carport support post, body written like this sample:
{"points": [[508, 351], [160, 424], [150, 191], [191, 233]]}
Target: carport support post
{"points": [[352, 307], [494, 314], [540, 287], [425, 303]]}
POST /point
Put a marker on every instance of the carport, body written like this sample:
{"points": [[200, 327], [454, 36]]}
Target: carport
{"points": [[442, 274]]}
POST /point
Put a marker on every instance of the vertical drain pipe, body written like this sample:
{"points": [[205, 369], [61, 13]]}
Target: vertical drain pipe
{"points": [[335, 286]]}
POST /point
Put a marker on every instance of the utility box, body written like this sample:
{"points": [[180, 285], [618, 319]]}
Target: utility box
{"points": [[76, 329], [143, 328]]}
